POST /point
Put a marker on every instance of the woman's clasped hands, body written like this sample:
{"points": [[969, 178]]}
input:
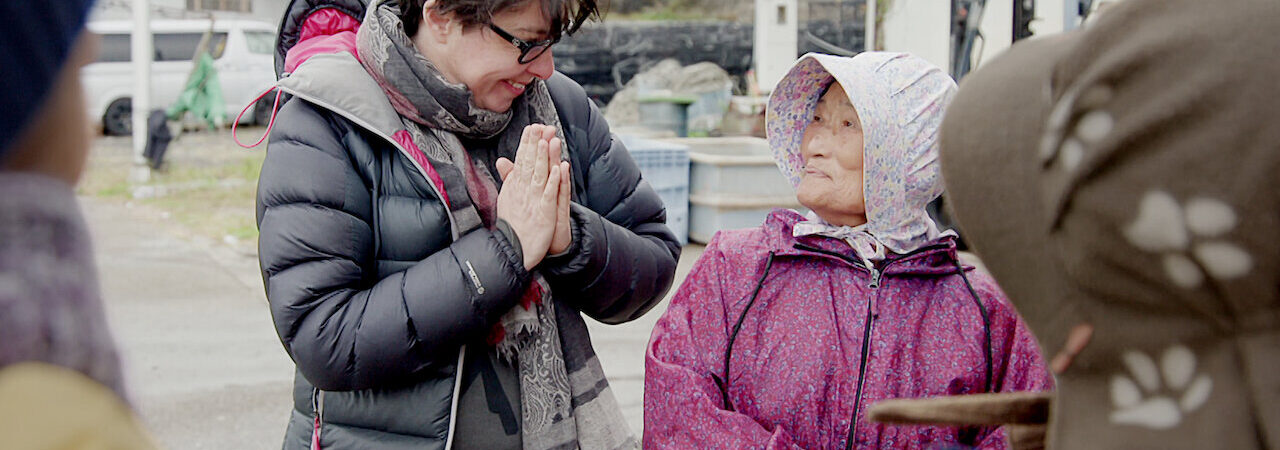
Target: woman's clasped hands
{"points": [[536, 193]]}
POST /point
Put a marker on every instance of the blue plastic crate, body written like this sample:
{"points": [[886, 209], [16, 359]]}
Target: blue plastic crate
{"points": [[665, 166], [677, 201]]}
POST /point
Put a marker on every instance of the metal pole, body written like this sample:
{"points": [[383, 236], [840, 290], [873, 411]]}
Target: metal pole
{"points": [[142, 53], [869, 32]]}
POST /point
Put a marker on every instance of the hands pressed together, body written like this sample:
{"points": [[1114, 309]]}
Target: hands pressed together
{"points": [[535, 195]]}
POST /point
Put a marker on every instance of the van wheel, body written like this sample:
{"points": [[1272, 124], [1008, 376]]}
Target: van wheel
{"points": [[118, 119]]}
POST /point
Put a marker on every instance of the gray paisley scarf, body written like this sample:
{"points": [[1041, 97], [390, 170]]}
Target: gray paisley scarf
{"points": [[565, 399]]}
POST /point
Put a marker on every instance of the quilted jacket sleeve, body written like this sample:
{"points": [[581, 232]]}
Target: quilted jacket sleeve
{"points": [[623, 259], [344, 326]]}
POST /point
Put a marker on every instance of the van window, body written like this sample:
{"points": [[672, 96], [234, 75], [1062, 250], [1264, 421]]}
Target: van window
{"points": [[182, 46], [114, 48], [260, 41]]}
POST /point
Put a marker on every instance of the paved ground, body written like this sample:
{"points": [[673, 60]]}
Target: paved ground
{"points": [[204, 366]]}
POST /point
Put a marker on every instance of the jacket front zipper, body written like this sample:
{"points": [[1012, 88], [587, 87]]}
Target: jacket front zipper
{"points": [[866, 355], [874, 285]]}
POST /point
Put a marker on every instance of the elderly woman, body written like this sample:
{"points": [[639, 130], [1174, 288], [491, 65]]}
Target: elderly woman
{"points": [[436, 209], [783, 335]]}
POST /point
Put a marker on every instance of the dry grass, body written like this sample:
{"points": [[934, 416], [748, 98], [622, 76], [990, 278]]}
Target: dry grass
{"points": [[207, 185]]}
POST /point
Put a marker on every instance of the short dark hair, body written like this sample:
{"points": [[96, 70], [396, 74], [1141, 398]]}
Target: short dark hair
{"points": [[566, 15]]}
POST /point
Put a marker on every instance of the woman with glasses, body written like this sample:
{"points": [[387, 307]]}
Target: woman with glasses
{"points": [[437, 208]]}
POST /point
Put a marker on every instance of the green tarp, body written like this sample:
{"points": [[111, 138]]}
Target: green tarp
{"points": [[202, 96]]}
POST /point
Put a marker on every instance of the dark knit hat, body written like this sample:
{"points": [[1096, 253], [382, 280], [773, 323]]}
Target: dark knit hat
{"points": [[35, 38]]}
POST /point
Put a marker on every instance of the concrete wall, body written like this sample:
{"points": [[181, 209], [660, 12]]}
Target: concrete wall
{"points": [[1052, 17], [997, 32], [922, 28], [776, 42]]}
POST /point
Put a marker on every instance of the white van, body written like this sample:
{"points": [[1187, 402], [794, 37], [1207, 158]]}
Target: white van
{"points": [[242, 51]]}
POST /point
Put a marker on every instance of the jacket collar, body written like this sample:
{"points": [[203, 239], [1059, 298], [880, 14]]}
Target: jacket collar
{"points": [[339, 83], [936, 258]]}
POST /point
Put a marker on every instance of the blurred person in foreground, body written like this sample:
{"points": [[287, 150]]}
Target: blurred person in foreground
{"points": [[1121, 184], [783, 335], [61, 385]]}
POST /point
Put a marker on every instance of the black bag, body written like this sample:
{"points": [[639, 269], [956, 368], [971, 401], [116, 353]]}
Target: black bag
{"points": [[158, 138]]}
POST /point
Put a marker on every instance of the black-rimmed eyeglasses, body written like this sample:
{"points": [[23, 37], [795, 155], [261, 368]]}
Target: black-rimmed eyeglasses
{"points": [[529, 51]]}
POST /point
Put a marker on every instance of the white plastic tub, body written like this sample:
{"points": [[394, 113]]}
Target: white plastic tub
{"points": [[709, 214], [733, 183]]}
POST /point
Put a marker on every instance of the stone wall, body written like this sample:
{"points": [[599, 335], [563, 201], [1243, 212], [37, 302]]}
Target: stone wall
{"points": [[603, 57]]}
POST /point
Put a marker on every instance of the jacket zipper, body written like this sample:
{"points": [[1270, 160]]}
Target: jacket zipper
{"points": [[866, 355], [723, 383], [874, 285], [457, 392], [317, 407]]}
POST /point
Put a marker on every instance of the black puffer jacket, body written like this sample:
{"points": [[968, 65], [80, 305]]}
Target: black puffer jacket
{"points": [[370, 294]]}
